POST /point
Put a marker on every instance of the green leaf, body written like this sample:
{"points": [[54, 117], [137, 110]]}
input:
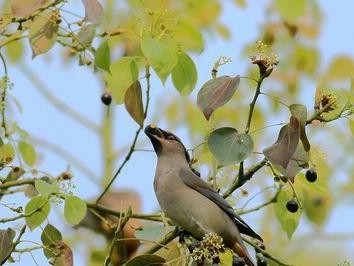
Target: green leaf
{"points": [[28, 153], [36, 211], [291, 10], [230, 146], [124, 72], [46, 188], [351, 126], [188, 36], [49, 235], [160, 56], [341, 67], [134, 103], [103, 56], [283, 149], [24, 9], [146, 260], [43, 32], [300, 112], [174, 254], [7, 153], [317, 206], [288, 221], [74, 209], [184, 74], [306, 59], [215, 93], [6, 244]]}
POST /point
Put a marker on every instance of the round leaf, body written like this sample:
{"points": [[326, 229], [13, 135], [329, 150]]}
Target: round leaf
{"points": [[44, 187], [36, 211], [215, 93], [74, 209], [229, 146]]}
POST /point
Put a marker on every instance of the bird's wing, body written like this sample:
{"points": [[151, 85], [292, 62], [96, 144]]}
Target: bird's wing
{"points": [[196, 183]]}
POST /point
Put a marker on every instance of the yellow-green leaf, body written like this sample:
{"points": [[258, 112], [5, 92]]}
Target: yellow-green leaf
{"points": [[28, 153], [184, 74], [160, 56], [290, 9], [7, 153], [124, 72], [43, 32], [74, 209], [45, 188], [134, 103], [36, 211], [341, 67], [147, 259], [103, 56], [189, 37]]}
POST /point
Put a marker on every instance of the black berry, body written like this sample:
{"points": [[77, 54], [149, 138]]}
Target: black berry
{"points": [[238, 261], [311, 175], [292, 205], [106, 98], [261, 260]]}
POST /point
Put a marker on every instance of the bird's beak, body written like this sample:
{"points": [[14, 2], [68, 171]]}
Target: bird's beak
{"points": [[155, 134]]}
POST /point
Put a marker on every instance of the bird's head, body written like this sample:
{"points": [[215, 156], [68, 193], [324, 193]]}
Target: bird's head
{"points": [[165, 142]]}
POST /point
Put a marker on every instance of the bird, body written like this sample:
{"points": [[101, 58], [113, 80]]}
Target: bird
{"points": [[188, 200]]}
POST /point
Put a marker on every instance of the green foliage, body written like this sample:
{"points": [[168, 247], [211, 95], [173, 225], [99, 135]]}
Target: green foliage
{"points": [[7, 153], [184, 74], [160, 56], [28, 153], [74, 209], [45, 188], [36, 211], [230, 146], [6, 244], [124, 72], [103, 56], [215, 93], [49, 235], [288, 221]]}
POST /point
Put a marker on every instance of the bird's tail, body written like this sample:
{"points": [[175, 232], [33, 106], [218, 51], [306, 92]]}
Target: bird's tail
{"points": [[241, 250]]}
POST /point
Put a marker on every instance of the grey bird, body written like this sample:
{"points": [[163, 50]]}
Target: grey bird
{"points": [[189, 201]]}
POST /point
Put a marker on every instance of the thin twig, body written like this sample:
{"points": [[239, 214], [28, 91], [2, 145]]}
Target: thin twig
{"points": [[163, 241], [265, 254], [132, 147], [122, 223], [238, 182]]}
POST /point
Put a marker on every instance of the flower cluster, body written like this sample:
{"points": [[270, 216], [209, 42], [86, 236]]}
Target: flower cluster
{"points": [[326, 102], [208, 249], [265, 60]]}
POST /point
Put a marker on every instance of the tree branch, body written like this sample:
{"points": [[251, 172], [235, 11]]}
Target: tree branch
{"points": [[240, 180], [163, 241], [265, 254]]}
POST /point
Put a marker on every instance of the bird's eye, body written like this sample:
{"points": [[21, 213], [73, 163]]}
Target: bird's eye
{"points": [[170, 137]]}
